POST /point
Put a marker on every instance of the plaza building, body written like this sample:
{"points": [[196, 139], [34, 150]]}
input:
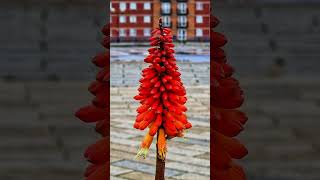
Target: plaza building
{"points": [[133, 20]]}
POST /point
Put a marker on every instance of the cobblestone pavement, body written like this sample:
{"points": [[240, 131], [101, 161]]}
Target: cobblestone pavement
{"points": [[185, 157], [188, 158], [193, 48], [129, 73]]}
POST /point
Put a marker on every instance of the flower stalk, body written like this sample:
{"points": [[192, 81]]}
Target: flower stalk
{"points": [[161, 163], [162, 96]]}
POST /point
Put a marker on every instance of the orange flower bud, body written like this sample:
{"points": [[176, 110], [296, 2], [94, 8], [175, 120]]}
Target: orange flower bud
{"points": [[162, 144], [145, 145]]}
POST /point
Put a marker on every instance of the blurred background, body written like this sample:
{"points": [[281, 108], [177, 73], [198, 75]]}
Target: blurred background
{"points": [[274, 47], [46, 47], [131, 25]]}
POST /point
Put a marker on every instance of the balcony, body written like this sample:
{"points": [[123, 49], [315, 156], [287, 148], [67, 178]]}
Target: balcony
{"points": [[166, 11], [182, 11], [182, 25]]}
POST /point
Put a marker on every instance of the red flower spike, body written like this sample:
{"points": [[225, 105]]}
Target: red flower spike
{"points": [[226, 95], [161, 92]]}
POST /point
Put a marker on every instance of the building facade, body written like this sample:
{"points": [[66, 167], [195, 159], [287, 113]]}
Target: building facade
{"points": [[133, 20]]}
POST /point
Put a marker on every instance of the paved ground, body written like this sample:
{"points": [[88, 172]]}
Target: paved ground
{"points": [[129, 73], [186, 156]]}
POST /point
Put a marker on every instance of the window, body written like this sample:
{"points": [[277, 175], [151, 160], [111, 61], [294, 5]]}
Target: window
{"points": [[182, 8], [133, 6], [146, 19], [166, 21], [199, 32], [147, 6], [123, 6], [182, 34], [133, 32], [199, 19], [147, 32], [199, 6], [133, 19], [182, 21], [122, 33], [111, 8], [122, 19], [166, 7]]}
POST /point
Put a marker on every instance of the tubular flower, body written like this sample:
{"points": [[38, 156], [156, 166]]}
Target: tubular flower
{"points": [[162, 144], [161, 93], [145, 145], [98, 112], [226, 96]]}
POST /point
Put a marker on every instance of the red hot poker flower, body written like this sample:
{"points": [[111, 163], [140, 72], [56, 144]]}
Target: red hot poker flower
{"points": [[161, 93]]}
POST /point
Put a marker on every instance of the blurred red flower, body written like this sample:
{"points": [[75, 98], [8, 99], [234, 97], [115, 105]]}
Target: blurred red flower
{"points": [[98, 112], [226, 96]]}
